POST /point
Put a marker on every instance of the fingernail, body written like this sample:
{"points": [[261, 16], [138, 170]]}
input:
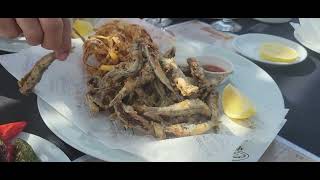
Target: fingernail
{"points": [[62, 56]]}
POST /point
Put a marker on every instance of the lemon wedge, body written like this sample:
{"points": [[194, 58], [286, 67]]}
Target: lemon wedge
{"points": [[83, 27], [235, 104], [276, 52]]}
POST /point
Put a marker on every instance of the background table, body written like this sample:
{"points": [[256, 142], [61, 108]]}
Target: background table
{"points": [[300, 85]]}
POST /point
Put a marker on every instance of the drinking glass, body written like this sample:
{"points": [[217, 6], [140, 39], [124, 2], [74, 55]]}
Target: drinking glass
{"points": [[226, 25]]}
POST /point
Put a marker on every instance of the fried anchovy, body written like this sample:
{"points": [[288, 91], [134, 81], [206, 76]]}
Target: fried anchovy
{"points": [[33, 77], [185, 129], [145, 76], [213, 103], [179, 79], [154, 62], [125, 69], [184, 108]]}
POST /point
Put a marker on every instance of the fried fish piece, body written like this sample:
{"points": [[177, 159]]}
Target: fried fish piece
{"points": [[206, 86], [130, 119], [197, 71], [178, 78], [164, 99], [213, 103], [185, 69], [158, 130], [142, 121], [184, 108], [122, 116], [146, 75], [126, 69], [33, 77], [187, 129], [93, 107], [154, 62], [149, 100], [170, 53]]}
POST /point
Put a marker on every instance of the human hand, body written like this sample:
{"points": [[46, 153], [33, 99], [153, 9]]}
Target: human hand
{"points": [[52, 33]]}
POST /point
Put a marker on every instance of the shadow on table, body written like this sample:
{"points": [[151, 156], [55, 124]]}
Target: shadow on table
{"points": [[301, 69]]}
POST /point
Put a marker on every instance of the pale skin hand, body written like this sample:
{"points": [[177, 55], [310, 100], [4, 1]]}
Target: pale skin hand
{"points": [[51, 33]]}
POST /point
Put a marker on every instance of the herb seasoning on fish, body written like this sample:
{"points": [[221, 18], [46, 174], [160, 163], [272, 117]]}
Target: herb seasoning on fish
{"points": [[3, 151], [24, 152]]}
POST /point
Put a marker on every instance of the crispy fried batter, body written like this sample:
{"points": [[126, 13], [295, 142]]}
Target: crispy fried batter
{"points": [[146, 125], [178, 78], [197, 71], [31, 79], [170, 53], [186, 70], [154, 62], [164, 99], [186, 129], [149, 100], [213, 103], [92, 105], [184, 108], [146, 75], [147, 89]]}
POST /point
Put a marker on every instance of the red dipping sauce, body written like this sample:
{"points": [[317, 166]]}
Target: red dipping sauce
{"points": [[213, 68]]}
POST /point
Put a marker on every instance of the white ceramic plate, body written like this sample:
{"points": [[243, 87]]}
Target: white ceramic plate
{"points": [[273, 20], [307, 44], [248, 45], [45, 150], [248, 77]]}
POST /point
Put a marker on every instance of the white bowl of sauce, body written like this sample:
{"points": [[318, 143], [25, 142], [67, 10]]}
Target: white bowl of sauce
{"points": [[216, 67]]}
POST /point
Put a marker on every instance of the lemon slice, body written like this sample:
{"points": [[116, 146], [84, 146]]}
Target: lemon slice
{"points": [[235, 104], [83, 27], [276, 52]]}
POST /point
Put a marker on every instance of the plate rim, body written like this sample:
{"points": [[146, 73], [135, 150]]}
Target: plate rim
{"points": [[69, 141], [304, 43], [238, 50]]}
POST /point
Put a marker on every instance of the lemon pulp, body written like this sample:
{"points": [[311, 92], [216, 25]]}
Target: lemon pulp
{"points": [[235, 104], [276, 52], [83, 28]]}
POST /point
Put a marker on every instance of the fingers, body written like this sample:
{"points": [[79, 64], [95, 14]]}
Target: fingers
{"points": [[66, 40], [53, 31], [9, 28], [31, 30]]}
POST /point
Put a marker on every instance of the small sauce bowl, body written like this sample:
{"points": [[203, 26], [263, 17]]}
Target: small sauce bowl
{"points": [[216, 68]]}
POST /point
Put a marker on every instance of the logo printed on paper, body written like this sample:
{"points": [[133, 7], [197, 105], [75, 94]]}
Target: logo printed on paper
{"points": [[239, 155]]}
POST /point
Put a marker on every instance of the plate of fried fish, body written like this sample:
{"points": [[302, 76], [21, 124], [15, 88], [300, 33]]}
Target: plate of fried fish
{"points": [[133, 94]]}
